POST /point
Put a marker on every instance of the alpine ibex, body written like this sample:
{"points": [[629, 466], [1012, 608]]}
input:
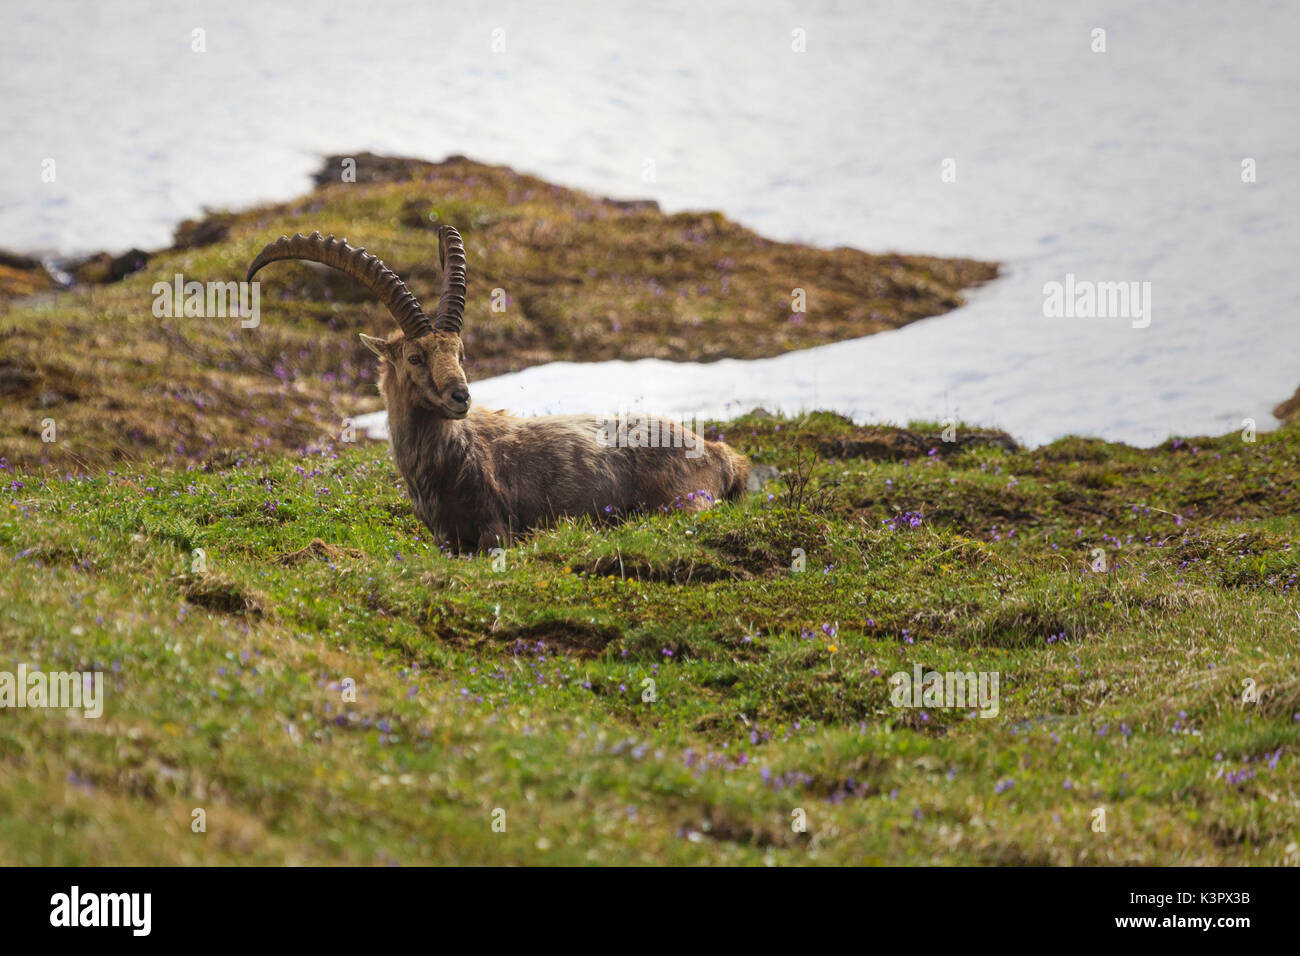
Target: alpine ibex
{"points": [[479, 478]]}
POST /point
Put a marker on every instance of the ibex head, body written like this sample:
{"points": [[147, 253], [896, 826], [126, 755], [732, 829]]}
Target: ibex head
{"points": [[422, 361], [427, 370]]}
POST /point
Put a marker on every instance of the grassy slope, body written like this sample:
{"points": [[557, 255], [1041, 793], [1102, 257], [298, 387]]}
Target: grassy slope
{"points": [[520, 689]]}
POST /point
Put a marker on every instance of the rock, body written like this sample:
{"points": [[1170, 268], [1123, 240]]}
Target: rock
{"points": [[22, 275], [196, 233], [371, 168], [16, 260], [19, 282], [1289, 411], [103, 268], [131, 261], [633, 205], [90, 269]]}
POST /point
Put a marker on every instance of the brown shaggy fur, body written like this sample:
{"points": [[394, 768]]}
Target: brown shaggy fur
{"points": [[478, 478]]}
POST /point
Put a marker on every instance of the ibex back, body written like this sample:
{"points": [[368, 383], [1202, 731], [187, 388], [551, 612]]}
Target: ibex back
{"points": [[477, 478]]}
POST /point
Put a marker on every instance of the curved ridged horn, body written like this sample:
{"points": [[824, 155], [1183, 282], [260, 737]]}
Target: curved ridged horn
{"points": [[366, 269], [451, 303]]}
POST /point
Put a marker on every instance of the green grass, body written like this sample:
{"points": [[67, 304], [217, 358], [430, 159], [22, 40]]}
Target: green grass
{"points": [[523, 688]]}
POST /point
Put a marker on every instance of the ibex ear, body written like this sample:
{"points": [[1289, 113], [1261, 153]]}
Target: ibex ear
{"points": [[378, 346]]}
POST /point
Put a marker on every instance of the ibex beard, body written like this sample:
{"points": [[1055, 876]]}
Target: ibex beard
{"points": [[478, 478]]}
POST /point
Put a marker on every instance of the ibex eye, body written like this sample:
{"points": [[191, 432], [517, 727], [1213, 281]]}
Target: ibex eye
{"points": [[416, 359]]}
